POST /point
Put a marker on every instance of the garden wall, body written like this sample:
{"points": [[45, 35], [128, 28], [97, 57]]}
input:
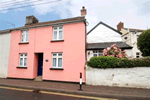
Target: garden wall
{"points": [[138, 77]]}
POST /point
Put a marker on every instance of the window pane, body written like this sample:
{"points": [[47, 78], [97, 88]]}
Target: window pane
{"points": [[25, 54], [21, 61], [55, 34], [21, 55], [95, 55], [60, 54], [27, 37], [55, 28], [54, 62], [100, 54], [60, 27], [60, 34], [54, 54], [25, 61], [59, 62], [23, 37]]}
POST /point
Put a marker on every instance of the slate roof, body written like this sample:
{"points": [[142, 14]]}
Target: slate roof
{"points": [[104, 25], [4, 31], [49, 23], [100, 46], [133, 29]]}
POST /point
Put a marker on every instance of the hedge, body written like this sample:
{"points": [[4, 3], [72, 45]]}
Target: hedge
{"points": [[114, 62]]}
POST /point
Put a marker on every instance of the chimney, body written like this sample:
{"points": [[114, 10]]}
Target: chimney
{"points": [[31, 20], [83, 11], [119, 26]]}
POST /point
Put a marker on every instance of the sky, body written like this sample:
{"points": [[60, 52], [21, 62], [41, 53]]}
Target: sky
{"points": [[133, 13]]}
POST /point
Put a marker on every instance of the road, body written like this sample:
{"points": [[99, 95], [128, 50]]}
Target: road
{"points": [[7, 93]]}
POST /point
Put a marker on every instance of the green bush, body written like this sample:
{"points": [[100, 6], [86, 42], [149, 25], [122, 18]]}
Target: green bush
{"points": [[103, 62], [114, 62]]}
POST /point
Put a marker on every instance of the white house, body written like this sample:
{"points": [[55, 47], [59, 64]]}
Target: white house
{"points": [[130, 36], [102, 36], [5, 38]]}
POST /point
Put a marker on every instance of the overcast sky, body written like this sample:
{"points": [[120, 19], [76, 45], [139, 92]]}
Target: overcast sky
{"points": [[134, 13]]}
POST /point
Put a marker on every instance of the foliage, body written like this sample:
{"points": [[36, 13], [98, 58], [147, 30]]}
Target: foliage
{"points": [[114, 51], [144, 43], [114, 62]]}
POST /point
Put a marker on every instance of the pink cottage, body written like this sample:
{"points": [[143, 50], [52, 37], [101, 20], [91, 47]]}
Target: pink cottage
{"points": [[54, 50]]}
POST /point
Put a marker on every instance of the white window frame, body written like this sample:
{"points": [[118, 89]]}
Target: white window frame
{"points": [[57, 30], [23, 59], [25, 33], [57, 59], [97, 52]]}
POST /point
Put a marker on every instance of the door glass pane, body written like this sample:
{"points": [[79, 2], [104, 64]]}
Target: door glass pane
{"points": [[54, 62], [21, 61], [27, 37], [59, 62], [25, 62], [55, 35], [60, 34]]}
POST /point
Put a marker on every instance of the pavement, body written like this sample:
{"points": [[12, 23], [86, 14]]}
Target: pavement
{"points": [[88, 90]]}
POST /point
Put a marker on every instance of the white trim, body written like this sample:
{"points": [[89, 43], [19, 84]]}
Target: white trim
{"points": [[57, 30], [23, 57], [25, 33], [57, 57]]}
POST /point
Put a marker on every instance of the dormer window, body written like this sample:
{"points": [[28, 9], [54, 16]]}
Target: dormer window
{"points": [[25, 36], [58, 33]]}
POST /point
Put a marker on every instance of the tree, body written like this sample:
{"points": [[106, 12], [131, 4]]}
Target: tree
{"points": [[114, 51], [144, 43]]}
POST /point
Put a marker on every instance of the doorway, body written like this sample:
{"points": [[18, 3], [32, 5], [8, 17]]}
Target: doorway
{"points": [[40, 64]]}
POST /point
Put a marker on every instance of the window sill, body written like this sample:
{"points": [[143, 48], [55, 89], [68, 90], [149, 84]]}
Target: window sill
{"points": [[23, 43], [56, 69], [57, 41], [21, 67]]}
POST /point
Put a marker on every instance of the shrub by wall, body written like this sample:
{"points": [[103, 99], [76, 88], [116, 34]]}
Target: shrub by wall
{"points": [[114, 62]]}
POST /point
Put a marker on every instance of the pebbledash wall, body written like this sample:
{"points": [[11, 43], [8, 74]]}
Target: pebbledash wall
{"points": [[73, 49], [138, 77], [5, 39]]}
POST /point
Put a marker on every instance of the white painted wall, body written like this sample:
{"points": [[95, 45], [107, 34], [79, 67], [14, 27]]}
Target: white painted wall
{"points": [[132, 41], [103, 34], [4, 53], [138, 77]]}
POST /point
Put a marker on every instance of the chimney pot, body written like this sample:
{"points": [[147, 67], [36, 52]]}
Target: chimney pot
{"points": [[83, 11]]}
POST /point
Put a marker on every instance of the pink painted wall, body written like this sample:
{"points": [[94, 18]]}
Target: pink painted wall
{"points": [[73, 49]]}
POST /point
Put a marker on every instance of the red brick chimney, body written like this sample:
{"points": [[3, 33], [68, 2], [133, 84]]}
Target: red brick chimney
{"points": [[83, 11], [119, 26], [31, 20]]}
